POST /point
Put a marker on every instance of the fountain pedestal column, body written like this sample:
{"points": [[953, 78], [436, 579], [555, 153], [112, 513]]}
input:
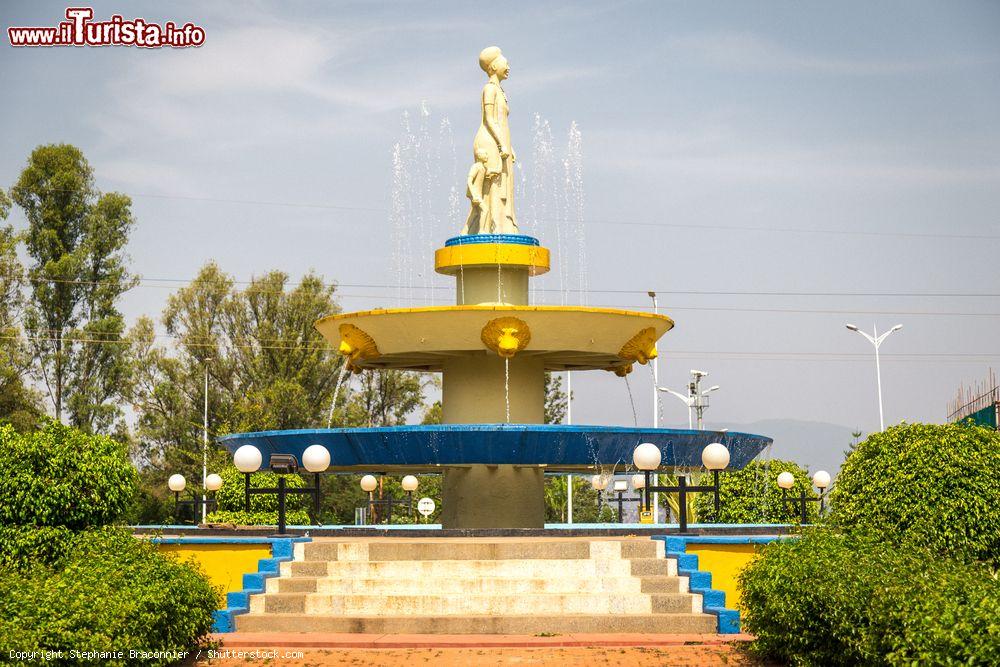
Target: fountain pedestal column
{"points": [[484, 388]]}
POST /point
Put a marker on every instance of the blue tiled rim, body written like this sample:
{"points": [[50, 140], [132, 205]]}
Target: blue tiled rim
{"points": [[700, 581], [238, 602], [470, 239]]}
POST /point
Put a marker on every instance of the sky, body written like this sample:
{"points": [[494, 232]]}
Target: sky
{"points": [[772, 170]]}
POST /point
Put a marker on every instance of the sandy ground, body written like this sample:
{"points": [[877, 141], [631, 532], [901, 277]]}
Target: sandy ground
{"points": [[679, 656]]}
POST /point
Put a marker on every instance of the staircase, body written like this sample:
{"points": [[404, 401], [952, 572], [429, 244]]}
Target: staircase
{"points": [[478, 586]]}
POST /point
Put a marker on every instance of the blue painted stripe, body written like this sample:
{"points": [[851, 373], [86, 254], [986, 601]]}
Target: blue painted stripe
{"points": [[713, 601], [254, 583], [475, 239], [227, 540]]}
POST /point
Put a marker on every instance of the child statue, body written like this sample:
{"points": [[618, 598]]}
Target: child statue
{"points": [[479, 221]]}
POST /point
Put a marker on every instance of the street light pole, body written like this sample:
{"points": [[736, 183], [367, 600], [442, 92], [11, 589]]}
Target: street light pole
{"points": [[877, 341], [569, 420], [204, 448], [696, 400], [656, 414]]}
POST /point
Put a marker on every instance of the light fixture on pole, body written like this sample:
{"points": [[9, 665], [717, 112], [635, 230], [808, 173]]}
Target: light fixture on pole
{"points": [[647, 458], [821, 480], [877, 340], [696, 399]]}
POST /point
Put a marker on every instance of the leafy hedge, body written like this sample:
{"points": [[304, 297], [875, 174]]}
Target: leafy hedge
{"points": [[832, 599], [292, 518], [751, 495], [925, 484], [231, 496], [109, 592], [25, 547], [59, 476]]}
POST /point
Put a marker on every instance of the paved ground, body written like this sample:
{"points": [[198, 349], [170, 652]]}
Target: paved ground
{"points": [[300, 650]]}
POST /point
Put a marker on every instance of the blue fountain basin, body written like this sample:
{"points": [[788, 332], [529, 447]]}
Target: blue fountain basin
{"points": [[556, 446], [471, 239]]}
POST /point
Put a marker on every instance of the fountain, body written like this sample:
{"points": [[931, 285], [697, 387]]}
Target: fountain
{"points": [[492, 349]]}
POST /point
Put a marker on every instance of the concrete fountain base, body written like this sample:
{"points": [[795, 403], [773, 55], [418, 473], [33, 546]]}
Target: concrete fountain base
{"points": [[493, 496]]}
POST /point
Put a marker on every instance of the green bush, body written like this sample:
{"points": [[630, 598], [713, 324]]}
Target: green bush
{"points": [[292, 518], [751, 495], [24, 547], [832, 599], [111, 593], [59, 476], [923, 484]]}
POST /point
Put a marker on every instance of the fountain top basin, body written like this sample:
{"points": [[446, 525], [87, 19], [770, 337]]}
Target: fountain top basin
{"points": [[566, 337], [556, 447]]}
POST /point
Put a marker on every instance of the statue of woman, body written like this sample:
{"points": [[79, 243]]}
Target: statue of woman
{"points": [[493, 141]]}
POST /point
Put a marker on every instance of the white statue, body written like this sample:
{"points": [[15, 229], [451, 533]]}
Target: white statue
{"points": [[492, 209]]}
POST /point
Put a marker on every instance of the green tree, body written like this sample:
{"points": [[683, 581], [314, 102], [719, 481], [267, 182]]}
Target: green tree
{"points": [[268, 367], [382, 398], [76, 238], [556, 400], [584, 501], [19, 403]]}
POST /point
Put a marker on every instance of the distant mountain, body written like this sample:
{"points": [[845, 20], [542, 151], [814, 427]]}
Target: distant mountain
{"points": [[815, 445]]}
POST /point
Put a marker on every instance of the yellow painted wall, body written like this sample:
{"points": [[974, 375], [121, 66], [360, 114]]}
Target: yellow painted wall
{"points": [[225, 564], [725, 562]]}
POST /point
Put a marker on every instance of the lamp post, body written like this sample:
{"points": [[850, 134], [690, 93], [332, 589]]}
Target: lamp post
{"points": [[656, 410], [178, 484], [369, 483], [647, 458], [696, 399], [599, 483], [821, 480], [410, 484], [204, 443], [877, 340], [620, 487], [315, 458]]}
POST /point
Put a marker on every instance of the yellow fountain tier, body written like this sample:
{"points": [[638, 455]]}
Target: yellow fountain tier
{"points": [[561, 337], [452, 260]]}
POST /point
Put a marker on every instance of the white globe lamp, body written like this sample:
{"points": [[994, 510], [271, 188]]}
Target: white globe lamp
{"points": [[369, 483], [786, 480], [595, 483], [316, 458], [821, 479], [647, 456], [410, 484], [176, 483], [715, 456], [638, 482], [213, 482], [247, 459]]}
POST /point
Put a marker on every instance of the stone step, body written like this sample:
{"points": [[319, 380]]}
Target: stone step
{"points": [[483, 585], [526, 549], [433, 569], [427, 604], [506, 625]]}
